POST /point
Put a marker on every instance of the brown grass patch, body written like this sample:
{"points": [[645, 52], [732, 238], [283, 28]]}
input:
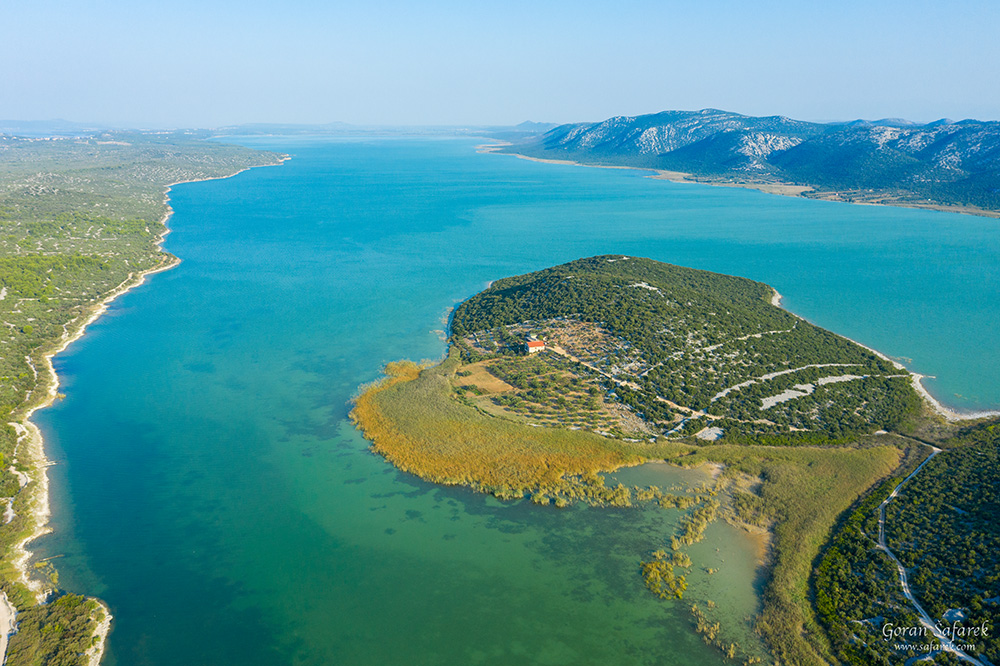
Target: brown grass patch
{"points": [[481, 378], [414, 421]]}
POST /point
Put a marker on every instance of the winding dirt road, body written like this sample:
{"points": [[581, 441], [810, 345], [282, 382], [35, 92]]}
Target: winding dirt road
{"points": [[925, 619]]}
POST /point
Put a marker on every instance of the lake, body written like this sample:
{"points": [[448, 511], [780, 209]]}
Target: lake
{"points": [[210, 488]]}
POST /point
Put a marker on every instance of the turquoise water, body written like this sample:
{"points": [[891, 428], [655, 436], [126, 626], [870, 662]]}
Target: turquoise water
{"points": [[211, 490]]}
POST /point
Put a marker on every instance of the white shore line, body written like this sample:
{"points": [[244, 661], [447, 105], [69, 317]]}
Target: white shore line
{"points": [[95, 653], [915, 378], [29, 434], [947, 413], [8, 624], [780, 188]]}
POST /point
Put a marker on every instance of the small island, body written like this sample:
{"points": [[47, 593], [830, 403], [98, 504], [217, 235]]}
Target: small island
{"points": [[556, 377]]}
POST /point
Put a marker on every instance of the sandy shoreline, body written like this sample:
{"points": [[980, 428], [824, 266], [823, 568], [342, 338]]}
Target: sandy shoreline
{"points": [[784, 189], [916, 378], [777, 187], [96, 651], [495, 147], [30, 448], [8, 622]]}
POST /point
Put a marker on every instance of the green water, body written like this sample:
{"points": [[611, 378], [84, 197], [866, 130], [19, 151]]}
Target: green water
{"points": [[210, 489]]}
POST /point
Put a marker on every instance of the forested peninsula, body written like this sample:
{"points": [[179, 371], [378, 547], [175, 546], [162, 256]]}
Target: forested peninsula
{"points": [[556, 377], [81, 221]]}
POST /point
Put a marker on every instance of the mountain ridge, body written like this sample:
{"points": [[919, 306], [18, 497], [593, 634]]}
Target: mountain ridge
{"points": [[941, 163]]}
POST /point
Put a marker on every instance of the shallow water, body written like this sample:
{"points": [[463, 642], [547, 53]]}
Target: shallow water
{"points": [[211, 490]]}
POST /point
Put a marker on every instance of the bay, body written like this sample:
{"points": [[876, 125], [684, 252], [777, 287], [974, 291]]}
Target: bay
{"points": [[210, 488]]}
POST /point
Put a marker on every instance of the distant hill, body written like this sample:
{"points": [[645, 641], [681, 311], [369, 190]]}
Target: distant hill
{"points": [[884, 161], [56, 127], [517, 133]]}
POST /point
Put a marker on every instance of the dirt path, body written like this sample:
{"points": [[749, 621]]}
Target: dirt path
{"points": [[925, 619]]}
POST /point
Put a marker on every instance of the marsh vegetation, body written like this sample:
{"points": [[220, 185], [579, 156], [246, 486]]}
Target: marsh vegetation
{"points": [[619, 333]]}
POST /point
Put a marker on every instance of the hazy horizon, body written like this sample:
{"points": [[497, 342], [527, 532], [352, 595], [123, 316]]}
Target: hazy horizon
{"points": [[49, 123], [198, 64]]}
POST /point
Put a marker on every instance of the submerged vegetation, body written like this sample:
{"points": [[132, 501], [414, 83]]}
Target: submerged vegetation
{"points": [[660, 577], [650, 362], [80, 218], [801, 493]]}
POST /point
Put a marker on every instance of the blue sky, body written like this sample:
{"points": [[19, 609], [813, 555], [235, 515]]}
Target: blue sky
{"points": [[208, 63]]}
